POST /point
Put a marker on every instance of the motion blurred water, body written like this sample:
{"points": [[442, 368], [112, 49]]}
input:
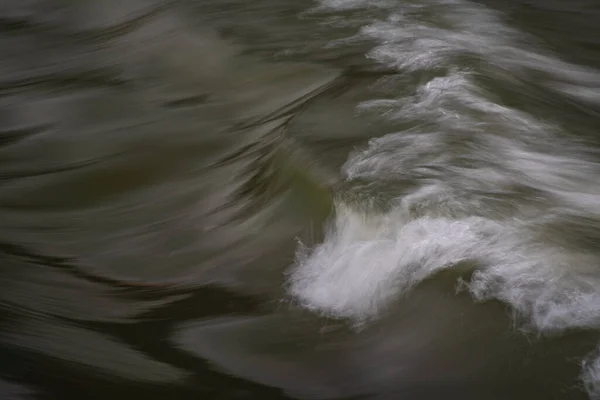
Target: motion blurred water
{"points": [[344, 199]]}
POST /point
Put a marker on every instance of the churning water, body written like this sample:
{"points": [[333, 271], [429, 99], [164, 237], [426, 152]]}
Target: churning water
{"points": [[347, 199]]}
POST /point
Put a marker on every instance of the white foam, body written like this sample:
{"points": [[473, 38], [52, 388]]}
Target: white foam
{"points": [[473, 149], [365, 262], [591, 374], [490, 180]]}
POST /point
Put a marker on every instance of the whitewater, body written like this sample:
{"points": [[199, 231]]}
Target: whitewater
{"points": [[507, 199]]}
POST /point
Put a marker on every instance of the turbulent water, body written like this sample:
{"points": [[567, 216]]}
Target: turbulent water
{"points": [[344, 199]]}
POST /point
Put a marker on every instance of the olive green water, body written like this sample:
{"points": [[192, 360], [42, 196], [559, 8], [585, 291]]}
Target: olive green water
{"points": [[164, 164]]}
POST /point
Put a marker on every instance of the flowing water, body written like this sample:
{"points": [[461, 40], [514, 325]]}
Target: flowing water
{"points": [[277, 199]]}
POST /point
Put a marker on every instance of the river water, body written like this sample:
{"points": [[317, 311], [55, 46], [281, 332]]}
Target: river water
{"points": [[277, 199]]}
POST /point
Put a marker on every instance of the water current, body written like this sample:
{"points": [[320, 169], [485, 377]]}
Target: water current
{"points": [[277, 199]]}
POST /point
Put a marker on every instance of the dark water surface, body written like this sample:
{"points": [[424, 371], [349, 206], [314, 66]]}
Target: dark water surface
{"points": [[345, 199]]}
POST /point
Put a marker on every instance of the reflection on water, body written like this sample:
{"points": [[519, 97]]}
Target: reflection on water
{"points": [[336, 200]]}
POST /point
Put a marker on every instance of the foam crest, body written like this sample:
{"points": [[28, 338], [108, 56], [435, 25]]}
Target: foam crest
{"points": [[365, 262], [494, 190]]}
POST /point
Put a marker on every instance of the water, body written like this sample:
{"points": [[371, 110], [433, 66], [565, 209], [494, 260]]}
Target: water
{"points": [[344, 199]]}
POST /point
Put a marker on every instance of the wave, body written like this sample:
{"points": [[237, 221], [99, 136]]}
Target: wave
{"points": [[497, 191]]}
